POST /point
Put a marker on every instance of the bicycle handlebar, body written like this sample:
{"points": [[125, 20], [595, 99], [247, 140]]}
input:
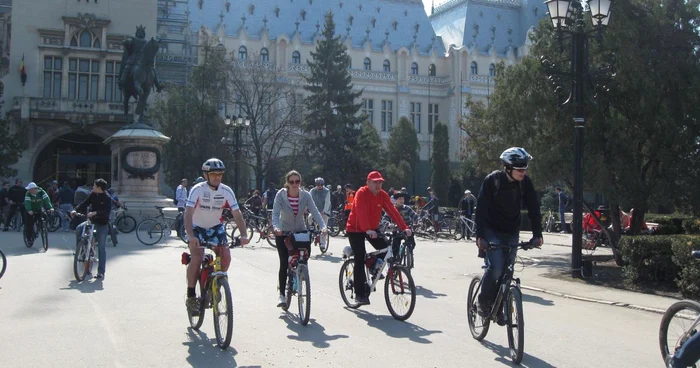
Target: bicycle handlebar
{"points": [[523, 245]]}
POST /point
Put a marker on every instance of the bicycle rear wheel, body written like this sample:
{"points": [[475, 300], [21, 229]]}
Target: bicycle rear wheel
{"points": [[3, 266], [149, 231], [478, 325], [516, 325], [80, 261], [677, 326], [196, 321], [126, 224], [270, 236], [397, 287], [304, 294], [346, 283], [222, 311]]}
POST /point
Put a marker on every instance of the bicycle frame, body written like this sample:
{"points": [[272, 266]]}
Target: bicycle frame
{"points": [[468, 223], [212, 281], [505, 281]]}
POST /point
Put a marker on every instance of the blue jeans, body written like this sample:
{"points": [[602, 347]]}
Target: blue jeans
{"points": [[495, 263], [101, 239], [65, 220], [688, 354], [562, 218]]}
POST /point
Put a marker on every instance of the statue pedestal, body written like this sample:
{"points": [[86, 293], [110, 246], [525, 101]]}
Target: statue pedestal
{"points": [[136, 169]]}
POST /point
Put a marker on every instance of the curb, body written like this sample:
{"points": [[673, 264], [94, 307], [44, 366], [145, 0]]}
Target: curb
{"points": [[599, 301]]}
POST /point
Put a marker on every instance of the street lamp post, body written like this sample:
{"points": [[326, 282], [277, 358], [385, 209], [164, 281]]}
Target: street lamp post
{"points": [[568, 17], [237, 124]]}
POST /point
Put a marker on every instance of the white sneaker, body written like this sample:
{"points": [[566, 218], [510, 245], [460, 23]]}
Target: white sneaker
{"points": [[282, 301]]}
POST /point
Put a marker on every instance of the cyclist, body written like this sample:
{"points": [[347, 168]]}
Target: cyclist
{"points": [[498, 218], [198, 180], [687, 355], [35, 200], [290, 202], [363, 222], [409, 217], [15, 196], [322, 199], [433, 209], [100, 208], [203, 223]]}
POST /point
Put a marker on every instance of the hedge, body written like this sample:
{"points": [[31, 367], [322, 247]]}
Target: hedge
{"points": [[662, 258]]}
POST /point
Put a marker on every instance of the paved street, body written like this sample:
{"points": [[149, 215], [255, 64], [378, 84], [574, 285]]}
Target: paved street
{"points": [[136, 316]]}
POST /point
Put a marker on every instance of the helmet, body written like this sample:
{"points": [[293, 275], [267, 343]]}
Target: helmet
{"points": [[515, 157], [347, 252], [467, 191], [319, 181], [199, 180], [430, 189], [213, 165]]}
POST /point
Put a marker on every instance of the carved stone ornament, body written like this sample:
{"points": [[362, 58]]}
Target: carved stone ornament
{"points": [[87, 20], [142, 173]]}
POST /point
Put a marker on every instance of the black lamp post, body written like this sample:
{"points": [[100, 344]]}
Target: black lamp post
{"points": [[568, 18], [237, 124]]}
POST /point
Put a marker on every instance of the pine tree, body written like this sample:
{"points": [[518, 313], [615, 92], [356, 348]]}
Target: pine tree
{"points": [[440, 163], [332, 123]]}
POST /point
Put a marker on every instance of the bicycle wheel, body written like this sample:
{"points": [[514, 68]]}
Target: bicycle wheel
{"points": [[397, 287], [458, 234], [196, 321], [677, 326], [289, 291], [149, 231], [409, 258], [222, 311], [515, 325], [80, 261], [304, 294], [53, 221], [345, 283], [28, 243], [270, 236], [3, 266], [478, 325], [44, 238], [183, 234], [324, 248], [126, 224]]}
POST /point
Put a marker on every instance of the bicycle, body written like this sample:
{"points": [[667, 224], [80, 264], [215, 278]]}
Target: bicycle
{"points": [[255, 224], [3, 259], [508, 290], [298, 282], [84, 256], [53, 220], [214, 289], [549, 223], [687, 321], [40, 229], [404, 254], [398, 283], [316, 239], [124, 223], [337, 221], [151, 230], [465, 226]]}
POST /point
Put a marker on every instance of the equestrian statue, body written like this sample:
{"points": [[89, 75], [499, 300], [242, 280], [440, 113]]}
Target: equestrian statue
{"points": [[137, 74]]}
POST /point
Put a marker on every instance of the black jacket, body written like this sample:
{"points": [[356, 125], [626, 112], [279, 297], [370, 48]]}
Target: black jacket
{"points": [[16, 194], [499, 208], [466, 205], [100, 203]]}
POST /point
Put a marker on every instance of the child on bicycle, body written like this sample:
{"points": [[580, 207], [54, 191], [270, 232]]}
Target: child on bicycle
{"points": [[409, 217]]}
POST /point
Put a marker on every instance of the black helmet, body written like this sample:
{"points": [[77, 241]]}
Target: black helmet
{"points": [[515, 157], [213, 165]]}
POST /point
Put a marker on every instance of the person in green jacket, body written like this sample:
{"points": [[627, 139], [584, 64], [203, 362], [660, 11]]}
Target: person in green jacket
{"points": [[35, 201]]}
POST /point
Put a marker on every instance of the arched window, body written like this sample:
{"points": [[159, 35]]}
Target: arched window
{"points": [[368, 64], [387, 66], [492, 70], [264, 55], [475, 68], [296, 57], [431, 70], [242, 53], [85, 39], [414, 69]]}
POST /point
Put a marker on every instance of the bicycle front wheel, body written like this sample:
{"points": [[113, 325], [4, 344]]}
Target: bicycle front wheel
{"points": [[677, 326], [304, 294], [516, 325], [223, 312], [478, 325], [400, 292], [80, 261], [53, 221], [3, 265], [149, 231], [126, 224]]}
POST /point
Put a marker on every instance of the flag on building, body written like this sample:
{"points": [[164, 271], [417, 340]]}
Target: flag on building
{"points": [[22, 71]]}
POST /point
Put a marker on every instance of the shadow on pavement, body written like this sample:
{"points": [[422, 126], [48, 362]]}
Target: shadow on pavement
{"points": [[395, 328], [327, 257], [314, 332], [527, 298], [203, 351], [427, 293], [503, 353], [87, 286]]}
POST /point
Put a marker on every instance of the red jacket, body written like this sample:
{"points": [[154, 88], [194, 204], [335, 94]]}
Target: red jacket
{"points": [[367, 211]]}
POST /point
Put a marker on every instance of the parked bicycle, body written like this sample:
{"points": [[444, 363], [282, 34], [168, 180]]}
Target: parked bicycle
{"points": [[40, 231], [399, 288], [465, 227], [509, 301], [151, 230], [84, 256], [124, 223], [680, 322], [549, 222], [255, 224], [298, 282], [337, 222], [215, 293]]}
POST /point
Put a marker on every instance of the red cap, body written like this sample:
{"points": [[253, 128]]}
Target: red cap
{"points": [[375, 176]]}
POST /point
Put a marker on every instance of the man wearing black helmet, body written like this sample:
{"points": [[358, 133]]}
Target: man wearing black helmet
{"points": [[498, 218], [205, 205]]}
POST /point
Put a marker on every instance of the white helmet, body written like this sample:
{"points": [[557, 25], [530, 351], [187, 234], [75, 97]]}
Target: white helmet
{"points": [[467, 191], [347, 252], [515, 157]]}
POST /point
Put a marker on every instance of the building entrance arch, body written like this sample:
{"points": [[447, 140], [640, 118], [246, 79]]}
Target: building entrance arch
{"points": [[75, 158]]}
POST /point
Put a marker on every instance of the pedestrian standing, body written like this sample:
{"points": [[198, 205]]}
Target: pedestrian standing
{"points": [[466, 207], [65, 204], [563, 202], [181, 195]]}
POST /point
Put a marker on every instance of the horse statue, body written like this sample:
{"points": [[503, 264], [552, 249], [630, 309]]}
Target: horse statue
{"points": [[140, 78]]}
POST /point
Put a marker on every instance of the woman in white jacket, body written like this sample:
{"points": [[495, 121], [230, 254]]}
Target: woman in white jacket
{"points": [[288, 216]]}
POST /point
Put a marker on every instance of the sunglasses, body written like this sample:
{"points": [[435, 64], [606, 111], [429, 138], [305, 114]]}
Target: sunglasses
{"points": [[219, 174], [298, 181], [520, 169]]}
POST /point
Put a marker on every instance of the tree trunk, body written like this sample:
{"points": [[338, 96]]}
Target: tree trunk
{"points": [[615, 233], [637, 220]]}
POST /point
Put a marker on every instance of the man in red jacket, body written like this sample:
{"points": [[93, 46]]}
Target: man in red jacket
{"points": [[362, 224]]}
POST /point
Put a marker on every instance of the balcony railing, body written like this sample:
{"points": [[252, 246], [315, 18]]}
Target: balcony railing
{"points": [[92, 107]]}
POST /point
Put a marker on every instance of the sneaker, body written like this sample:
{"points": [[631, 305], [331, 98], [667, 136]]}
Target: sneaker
{"points": [[500, 319], [281, 301], [100, 276], [362, 300], [562, 232], [482, 311], [192, 306]]}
